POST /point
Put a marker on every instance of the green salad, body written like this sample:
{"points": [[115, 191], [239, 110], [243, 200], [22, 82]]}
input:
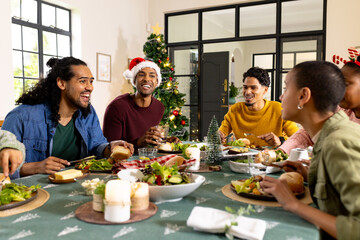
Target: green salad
{"points": [[281, 156], [155, 174], [93, 164], [12, 192], [238, 143]]}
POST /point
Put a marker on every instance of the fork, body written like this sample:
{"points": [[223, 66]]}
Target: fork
{"points": [[248, 134]]}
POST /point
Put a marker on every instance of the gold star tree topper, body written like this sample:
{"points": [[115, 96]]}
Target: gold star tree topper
{"points": [[156, 29]]}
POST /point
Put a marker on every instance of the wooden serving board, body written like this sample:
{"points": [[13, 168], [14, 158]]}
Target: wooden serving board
{"points": [[86, 213]]}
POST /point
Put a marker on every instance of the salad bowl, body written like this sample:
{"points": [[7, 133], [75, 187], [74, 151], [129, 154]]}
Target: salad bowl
{"points": [[175, 192], [164, 193]]}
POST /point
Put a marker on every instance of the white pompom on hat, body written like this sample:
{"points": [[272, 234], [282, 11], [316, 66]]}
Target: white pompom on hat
{"points": [[136, 65]]}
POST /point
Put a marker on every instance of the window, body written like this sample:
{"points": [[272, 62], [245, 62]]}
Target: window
{"points": [[39, 31]]}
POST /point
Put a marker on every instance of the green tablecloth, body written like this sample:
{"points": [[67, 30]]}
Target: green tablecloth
{"points": [[56, 218]]}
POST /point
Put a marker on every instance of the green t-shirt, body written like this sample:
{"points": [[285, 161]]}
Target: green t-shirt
{"points": [[66, 142]]}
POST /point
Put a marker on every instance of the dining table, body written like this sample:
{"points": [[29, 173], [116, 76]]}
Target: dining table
{"points": [[56, 219]]}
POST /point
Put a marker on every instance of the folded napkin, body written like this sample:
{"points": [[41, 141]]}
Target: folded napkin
{"points": [[136, 164], [214, 221]]}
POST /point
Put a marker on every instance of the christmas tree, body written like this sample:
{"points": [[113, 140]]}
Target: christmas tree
{"points": [[167, 93], [213, 151]]}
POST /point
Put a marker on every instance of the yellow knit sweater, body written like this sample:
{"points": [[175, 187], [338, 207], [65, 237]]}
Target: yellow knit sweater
{"points": [[241, 120]]}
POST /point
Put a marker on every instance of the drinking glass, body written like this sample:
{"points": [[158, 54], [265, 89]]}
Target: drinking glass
{"points": [[164, 130], [147, 153], [255, 169]]}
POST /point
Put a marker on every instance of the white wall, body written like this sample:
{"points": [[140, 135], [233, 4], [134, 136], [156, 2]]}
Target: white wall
{"points": [[118, 28]]}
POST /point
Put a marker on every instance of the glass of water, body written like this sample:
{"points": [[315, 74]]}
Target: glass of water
{"points": [[255, 169]]}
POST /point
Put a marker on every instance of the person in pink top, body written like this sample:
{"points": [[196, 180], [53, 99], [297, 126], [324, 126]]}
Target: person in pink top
{"points": [[350, 105]]}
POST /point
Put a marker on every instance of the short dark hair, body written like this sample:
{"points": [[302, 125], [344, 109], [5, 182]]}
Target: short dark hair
{"points": [[325, 81], [260, 74]]}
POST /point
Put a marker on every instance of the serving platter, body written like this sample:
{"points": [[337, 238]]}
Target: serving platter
{"points": [[16, 204]]}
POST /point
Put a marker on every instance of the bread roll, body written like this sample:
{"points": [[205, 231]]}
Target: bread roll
{"points": [[7, 180], [245, 140], [175, 160], [268, 155], [165, 147], [120, 153], [294, 180]]}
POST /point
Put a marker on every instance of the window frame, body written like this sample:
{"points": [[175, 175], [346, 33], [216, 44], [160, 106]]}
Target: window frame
{"points": [[276, 81], [40, 29]]}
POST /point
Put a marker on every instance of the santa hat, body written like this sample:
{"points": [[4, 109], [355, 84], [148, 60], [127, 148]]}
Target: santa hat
{"points": [[136, 65]]}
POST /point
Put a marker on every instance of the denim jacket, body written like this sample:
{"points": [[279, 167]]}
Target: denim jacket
{"points": [[32, 126]]}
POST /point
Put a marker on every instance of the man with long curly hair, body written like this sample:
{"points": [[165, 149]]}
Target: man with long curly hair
{"points": [[56, 121]]}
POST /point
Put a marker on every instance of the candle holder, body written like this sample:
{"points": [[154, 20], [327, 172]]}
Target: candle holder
{"points": [[117, 201], [139, 196], [117, 211]]}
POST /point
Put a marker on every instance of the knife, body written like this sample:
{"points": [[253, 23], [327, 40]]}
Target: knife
{"points": [[83, 159]]}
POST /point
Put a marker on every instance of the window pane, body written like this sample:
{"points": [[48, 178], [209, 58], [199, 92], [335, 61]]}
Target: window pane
{"points": [[18, 87], [30, 39], [219, 24], [186, 61], [264, 61], [191, 112], [16, 36], [258, 20], [189, 86], [48, 15], [17, 64], [297, 46], [31, 65], [288, 60], [308, 56], [62, 19], [304, 15], [49, 43], [15, 8], [29, 10], [183, 28], [29, 83], [63, 45]]}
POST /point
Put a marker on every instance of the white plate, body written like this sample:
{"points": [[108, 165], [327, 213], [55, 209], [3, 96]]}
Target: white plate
{"points": [[244, 167]]}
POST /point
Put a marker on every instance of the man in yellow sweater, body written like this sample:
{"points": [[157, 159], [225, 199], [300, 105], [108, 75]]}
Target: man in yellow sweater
{"points": [[256, 115]]}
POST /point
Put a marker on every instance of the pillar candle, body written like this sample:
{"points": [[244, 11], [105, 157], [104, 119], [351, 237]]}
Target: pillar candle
{"points": [[140, 196], [193, 152], [117, 201]]}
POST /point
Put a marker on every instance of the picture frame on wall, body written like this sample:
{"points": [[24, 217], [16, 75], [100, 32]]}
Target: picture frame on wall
{"points": [[103, 67]]}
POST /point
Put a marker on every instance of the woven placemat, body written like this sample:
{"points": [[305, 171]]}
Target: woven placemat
{"points": [[227, 191], [41, 198]]}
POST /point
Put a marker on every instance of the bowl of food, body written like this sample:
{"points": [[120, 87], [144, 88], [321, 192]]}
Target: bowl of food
{"points": [[166, 183], [175, 192]]}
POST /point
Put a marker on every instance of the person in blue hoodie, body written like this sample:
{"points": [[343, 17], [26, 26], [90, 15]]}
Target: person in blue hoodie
{"points": [[56, 121]]}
